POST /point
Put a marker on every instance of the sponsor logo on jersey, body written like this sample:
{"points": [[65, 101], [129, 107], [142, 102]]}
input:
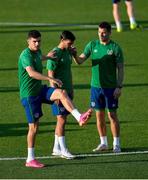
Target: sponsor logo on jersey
{"points": [[95, 50]]}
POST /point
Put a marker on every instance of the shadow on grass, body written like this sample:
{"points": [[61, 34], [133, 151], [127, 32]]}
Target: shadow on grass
{"points": [[134, 149], [21, 129], [76, 86], [97, 161], [9, 69], [9, 89], [134, 65], [74, 66]]}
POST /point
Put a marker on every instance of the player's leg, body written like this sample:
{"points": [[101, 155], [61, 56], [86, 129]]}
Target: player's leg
{"points": [[116, 15], [101, 127], [32, 107], [58, 94], [60, 133], [112, 105], [98, 103], [60, 148], [101, 124], [115, 129], [130, 12], [32, 131]]}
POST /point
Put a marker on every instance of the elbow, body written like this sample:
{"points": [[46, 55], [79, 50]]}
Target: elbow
{"points": [[31, 75], [79, 63]]}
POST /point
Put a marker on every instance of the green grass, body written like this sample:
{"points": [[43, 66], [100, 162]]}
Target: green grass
{"points": [[133, 102], [86, 168]]}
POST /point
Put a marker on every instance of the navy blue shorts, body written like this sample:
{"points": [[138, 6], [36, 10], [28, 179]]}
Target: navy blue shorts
{"points": [[59, 109], [102, 98], [116, 1], [33, 104]]}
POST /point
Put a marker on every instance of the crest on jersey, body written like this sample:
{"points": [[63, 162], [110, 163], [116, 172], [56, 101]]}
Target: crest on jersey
{"points": [[109, 52]]}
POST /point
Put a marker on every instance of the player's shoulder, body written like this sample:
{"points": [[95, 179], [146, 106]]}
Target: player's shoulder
{"points": [[26, 52], [27, 55], [59, 52], [114, 43], [93, 43]]}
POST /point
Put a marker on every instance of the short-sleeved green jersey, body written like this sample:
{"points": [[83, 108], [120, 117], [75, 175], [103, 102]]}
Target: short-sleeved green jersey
{"points": [[62, 67], [28, 85], [104, 60]]}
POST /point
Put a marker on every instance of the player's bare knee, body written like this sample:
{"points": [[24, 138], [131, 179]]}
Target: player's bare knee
{"points": [[33, 129], [63, 94], [112, 116], [61, 119]]}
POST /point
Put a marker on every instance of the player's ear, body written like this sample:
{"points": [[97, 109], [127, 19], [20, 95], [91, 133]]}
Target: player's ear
{"points": [[62, 39], [28, 40]]}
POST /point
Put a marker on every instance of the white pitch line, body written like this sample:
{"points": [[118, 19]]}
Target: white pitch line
{"points": [[54, 25], [46, 24], [79, 155]]}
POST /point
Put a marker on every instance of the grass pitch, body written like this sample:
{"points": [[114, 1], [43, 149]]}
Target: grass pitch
{"points": [[133, 102]]}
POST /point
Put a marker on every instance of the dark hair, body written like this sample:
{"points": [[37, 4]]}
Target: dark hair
{"points": [[105, 25], [67, 35], [34, 34]]}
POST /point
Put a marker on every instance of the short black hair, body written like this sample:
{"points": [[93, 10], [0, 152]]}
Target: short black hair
{"points": [[34, 34], [67, 35], [105, 25]]}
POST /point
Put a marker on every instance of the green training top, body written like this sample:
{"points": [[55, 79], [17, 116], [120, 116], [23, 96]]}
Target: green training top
{"points": [[104, 59], [28, 85], [62, 67]]}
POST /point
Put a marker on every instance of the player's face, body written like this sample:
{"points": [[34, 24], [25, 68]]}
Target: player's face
{"points": [[34, 43], [104, 35], [67, 43]]}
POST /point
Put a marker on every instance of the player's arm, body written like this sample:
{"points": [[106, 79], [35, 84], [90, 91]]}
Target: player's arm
{"points": [[36, 75], [120, 74], [50, 55], [120, 77], [79, 59], [52, 84], [51, 74]]}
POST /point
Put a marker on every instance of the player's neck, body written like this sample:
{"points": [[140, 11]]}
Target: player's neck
{"points": [[105, 42], [61, 46]]}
